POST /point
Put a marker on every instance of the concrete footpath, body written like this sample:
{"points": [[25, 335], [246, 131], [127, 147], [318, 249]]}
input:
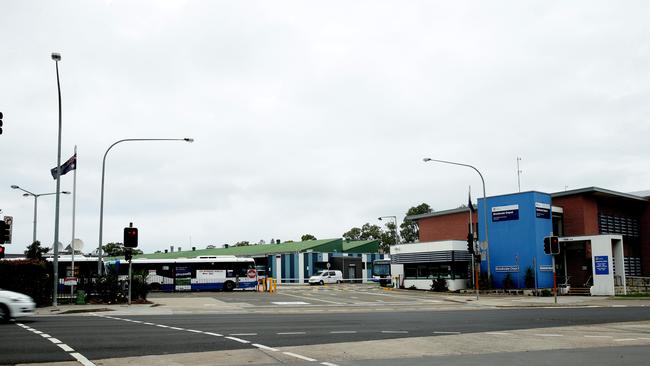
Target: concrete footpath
{"points": [[197, 303]]}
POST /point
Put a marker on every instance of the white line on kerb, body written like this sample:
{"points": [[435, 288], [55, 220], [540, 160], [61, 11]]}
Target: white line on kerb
{"points": [[394, 331], [65, 347], [598, 336], [625, 339], [299, 356], [83, 360], [328, 364], [261, 346], [498, 333]]}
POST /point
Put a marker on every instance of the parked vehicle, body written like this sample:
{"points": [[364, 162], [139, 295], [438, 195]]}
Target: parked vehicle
{"points": [[381, 272], [14, 305], [326, 276]]}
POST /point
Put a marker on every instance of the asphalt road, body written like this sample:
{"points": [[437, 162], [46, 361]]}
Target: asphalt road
{"points": [[104, 336]]}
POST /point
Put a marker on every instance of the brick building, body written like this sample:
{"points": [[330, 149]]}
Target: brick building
{"points": [[579, 212]]}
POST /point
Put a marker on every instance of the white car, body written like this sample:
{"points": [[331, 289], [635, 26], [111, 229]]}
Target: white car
{"points": [[14, 305], [326, 276]]}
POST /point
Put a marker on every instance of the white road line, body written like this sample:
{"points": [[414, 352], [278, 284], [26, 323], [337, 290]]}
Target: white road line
{"points": [[438, 332], [162, 326], [213, 334], [36, 331], [176, 328], [343, 331], [394, 331], [44, 335], [290, 333], [548, 335], [83, 360], [242, 334], [498, 333], [314, 299], [238, 340], [264, 347], [328, 364], [299, 356], [65, 347], [54, 340], [194, 331], [598, 336], [147, 323], [625, 339]]}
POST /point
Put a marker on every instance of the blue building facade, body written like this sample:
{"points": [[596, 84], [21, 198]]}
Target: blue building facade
{"points": [[517, 224]]}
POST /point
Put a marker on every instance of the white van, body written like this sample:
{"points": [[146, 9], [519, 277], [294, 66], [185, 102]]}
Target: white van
{"points": [[326, 276]]}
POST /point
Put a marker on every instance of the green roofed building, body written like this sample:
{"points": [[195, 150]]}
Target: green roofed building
{"points": [[295, 262]]}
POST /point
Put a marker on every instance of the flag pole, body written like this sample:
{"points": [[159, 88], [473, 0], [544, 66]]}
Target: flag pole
{"points": [[74, 204]]}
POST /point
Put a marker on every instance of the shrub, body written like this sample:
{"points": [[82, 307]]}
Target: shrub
{"points": [[140, 289], [508, 283], [30, 277], [439, 285], [529, 278]]}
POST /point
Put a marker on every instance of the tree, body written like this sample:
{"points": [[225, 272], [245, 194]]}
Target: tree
{"points": [[35, 251], [113, 249], [388, 237], [242, 244], [307, 237], [409, 230], [352, 234], [370, 232]]}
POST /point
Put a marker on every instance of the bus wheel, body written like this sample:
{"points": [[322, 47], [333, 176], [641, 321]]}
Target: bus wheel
{"points": [[228, 286]]}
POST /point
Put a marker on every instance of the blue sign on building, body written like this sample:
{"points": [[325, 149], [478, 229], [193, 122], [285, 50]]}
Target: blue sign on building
{"points": [[542, 210], [505, 213], [601, 264]]}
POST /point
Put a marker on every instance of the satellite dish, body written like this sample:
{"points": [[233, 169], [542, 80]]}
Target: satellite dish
{"points": [[77, 244], [59, 247]]}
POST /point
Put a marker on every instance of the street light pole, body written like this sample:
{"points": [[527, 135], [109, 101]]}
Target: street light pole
{"points": [[101, 205], [27, 194], [57, 57], [487, 245]]}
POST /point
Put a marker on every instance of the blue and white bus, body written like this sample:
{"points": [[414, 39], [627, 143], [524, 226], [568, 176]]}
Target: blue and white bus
{"points": [[207, 273], [381, 272]]}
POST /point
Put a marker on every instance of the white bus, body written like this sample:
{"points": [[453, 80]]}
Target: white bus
{"points": [[207, 273]]}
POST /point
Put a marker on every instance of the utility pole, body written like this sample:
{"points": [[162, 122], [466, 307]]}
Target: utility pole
{"points": [[518, 174]]}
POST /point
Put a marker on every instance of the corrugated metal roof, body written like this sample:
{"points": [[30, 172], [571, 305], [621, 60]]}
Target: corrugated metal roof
{"points": [[325, 246], [438, 213], [598, 190], [361, 246]]}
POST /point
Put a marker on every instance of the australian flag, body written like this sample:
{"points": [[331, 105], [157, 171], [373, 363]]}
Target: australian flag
{"points": [[69, 165], [469, 203]]}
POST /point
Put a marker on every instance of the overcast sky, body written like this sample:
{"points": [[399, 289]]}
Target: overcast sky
{"points": [[312, 117]]}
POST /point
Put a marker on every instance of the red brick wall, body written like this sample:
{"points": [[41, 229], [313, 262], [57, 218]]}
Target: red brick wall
{"points": [[580, 215], [446, 227]]}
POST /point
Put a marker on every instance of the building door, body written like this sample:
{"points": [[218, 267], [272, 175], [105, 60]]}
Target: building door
{"points": [[352, 272], [577, 258]]}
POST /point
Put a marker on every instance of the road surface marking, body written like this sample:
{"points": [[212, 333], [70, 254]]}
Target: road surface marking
{"points": [[394, 331], [315, 299], [597, 336], [162, 326], [213, 334], [83, 360], [343, 331], [45, 335], [194, 331], [289, 303], [439, 332], [548, 335], [242, 334], [54, 340], [147, 323], [264, 347], [35, 331], [625, 339], [498, 333], [176, 328], [238, 340], [65, 347], [328, 364], [299, 356], [289, 333]]}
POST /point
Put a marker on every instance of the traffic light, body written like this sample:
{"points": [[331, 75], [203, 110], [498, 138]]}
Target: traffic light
{"points": [[1, 123], [2, 252], [128, 254], [130, 237], [5, 232], [552, 245], [470, 243]]}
